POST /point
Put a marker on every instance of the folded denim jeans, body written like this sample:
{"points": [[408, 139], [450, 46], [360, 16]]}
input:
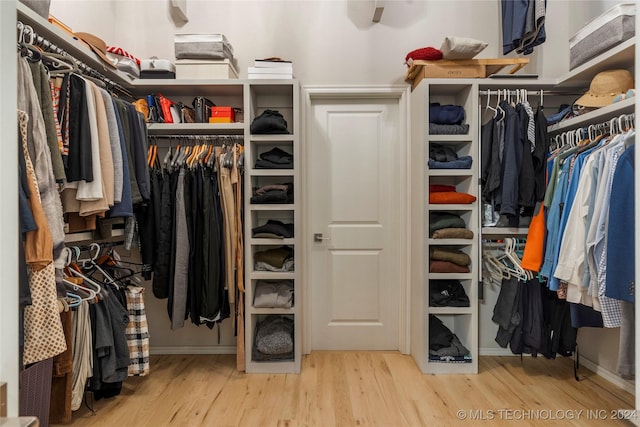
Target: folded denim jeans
{"points": [[460, 163]]}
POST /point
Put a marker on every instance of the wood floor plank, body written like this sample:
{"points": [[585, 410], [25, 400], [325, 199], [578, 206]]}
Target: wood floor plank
{"points": [[354, 388]]}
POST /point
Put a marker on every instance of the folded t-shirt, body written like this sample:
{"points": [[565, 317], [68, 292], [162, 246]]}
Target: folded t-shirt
{"points": [[273, 229], [446, 267], [440, 188], [274, 257], [439, 220], [452, 197], [438, 129], [273, 293], [452, 233], [439, 253]]}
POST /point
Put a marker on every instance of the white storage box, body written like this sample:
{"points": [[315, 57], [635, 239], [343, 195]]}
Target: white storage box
{"points": [[205, 69], [157, 69], [202, 46], [602, 33]]}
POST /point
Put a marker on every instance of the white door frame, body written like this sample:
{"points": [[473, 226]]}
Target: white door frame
{"points": [[401, 94]]}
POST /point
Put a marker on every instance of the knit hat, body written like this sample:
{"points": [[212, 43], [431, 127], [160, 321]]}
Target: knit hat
{"points": [[605, 86], [97, 45], [424, 53]]}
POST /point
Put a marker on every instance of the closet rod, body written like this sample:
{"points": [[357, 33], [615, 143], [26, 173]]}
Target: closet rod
{"points": [[529, 92], [48, 46], [197, 137], [500, 245]]}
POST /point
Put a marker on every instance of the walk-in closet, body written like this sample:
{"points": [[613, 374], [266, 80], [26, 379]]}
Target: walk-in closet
{"points": [[327, 213]]}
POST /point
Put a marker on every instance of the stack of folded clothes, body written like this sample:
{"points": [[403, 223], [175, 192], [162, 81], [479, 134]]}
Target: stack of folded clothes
{"points": [[273, 294], [443, 259], [443, 157], [274, 338], [278, 259], [275, 159], [273, 193], [447, 194], [447, 293], [444, 345], [445, 225], [273, 229], [447, 120]]}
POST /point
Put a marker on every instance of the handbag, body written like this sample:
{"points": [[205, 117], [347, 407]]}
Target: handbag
{"points": [[187, 114], [202, 108], [270, 121], [154, 112], [165, 108], [176, 113]]}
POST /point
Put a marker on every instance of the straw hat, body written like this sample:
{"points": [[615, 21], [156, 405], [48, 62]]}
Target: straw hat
{"points": [[97, 45], [605, 86]]}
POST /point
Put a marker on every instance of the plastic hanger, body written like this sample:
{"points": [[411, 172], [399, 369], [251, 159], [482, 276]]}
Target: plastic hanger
{"points": [[489, 107], [75, 287], [60, 64], [168, 156]]}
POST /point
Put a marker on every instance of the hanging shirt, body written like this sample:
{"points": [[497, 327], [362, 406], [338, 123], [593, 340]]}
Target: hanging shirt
{"points": [[620, 281]]}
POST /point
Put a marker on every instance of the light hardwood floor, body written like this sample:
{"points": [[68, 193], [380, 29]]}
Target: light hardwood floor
{"points": [[359, 389]]}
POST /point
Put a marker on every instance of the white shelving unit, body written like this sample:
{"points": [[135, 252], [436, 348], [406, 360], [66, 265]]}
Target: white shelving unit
{"points": [[281, 95], [597, 116], [462, 321], [253, 97]]}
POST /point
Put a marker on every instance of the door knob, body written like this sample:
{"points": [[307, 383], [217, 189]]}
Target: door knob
{"points": [[317, 237]]}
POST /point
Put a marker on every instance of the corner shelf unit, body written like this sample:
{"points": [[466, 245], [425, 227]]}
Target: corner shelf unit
{"points": [[462, 321]]}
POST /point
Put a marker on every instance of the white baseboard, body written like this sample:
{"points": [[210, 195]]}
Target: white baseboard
{"points": [[195, 349], [612, 377]]}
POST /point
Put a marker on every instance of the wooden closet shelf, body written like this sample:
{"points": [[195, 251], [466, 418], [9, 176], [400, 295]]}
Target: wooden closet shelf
{"points": [[461, 68]]}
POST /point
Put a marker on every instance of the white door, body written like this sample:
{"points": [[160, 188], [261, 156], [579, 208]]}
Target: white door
{"points": [[355, 168]]}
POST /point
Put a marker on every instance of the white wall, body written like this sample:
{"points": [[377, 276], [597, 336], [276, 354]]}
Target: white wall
{"points": [[330, 41], [9, 361]]}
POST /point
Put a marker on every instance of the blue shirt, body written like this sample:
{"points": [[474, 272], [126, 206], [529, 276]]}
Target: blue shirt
{"points": [[621, 252], [572, 187]]}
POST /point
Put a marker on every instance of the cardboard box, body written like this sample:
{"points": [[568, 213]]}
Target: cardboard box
{"points": [[222, 115], [199, 69]]}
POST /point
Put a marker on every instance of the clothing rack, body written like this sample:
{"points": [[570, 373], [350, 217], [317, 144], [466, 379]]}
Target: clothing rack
{"points": [[615, 125], [514, 92], [26, 31], [216, 139]]}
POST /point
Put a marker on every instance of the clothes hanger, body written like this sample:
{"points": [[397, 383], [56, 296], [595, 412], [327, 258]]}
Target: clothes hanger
{"points": [[61, 64], [489, 107], [90, 294], [168, 156], [74, 269]]}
